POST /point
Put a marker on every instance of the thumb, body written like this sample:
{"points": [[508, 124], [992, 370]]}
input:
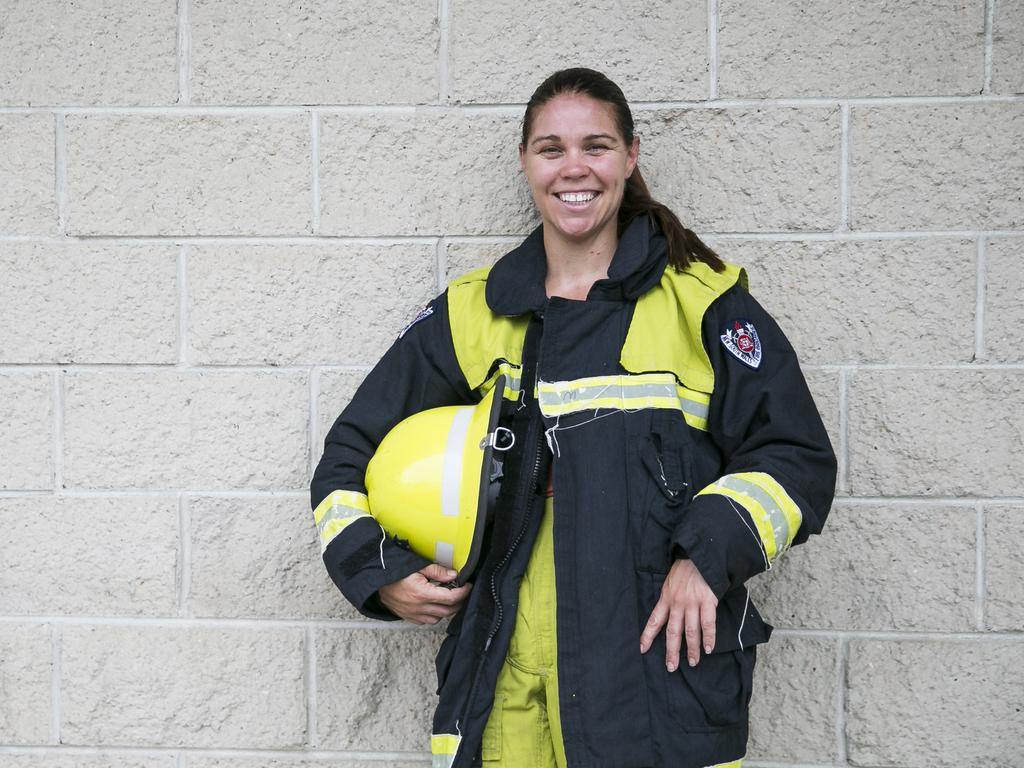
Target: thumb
{"points": [[436, 572]]}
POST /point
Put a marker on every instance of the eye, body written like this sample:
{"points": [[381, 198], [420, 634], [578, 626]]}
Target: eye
{"points": [[597, 149], [550, 150]]}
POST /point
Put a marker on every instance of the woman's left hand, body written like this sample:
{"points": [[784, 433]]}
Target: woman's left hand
{"points": [[688, 605]]}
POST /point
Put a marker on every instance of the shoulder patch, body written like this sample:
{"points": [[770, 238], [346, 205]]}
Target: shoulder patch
{"points": [[423, 314], [740, 338]]}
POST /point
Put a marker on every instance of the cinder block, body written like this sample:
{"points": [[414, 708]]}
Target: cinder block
{"points": [[255, 557], [824, 386], [867, 301], [935, 704], [1007, 43], [57, 760], [1004, 568], [1004, 313], [25, 671], [124, 52], [304, 305], [26, 431], [736, 170], [88, 303], [183, 686], [192, 175], [821, 48], [28, 202], [186, 430], [279, 52], [430, 172], [336, 390], [226, 762], [878, 567], [792, 710], [500, 53], [947, 166], [93, 556], [919, 433], [464, 256], [375, 689]]}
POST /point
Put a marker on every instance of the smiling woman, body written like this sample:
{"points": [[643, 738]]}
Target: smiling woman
{"points": [[664, 449]]}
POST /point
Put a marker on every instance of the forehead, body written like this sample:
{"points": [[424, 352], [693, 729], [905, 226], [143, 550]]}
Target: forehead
{"points": [[572, 115]]}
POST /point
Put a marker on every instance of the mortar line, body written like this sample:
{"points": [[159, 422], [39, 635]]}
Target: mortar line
{"points": [[184, 356], [60, 171], [314, 151], [55, 673], [311, 692], [844, 167], [712, 49], [441, 263], [990, 13], [184, 554], [58, 430], [842, 658], [374, 758], [444, 31], [981, 287], [259, 623], [314, 419], [979, 561], [844, 429], [184, 52]]}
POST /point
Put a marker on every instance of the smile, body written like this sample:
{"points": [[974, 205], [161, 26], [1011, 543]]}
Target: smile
{"points": [[577, 199]]}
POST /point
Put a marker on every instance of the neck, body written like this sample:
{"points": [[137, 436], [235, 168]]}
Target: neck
{"points": [[574, 266]]}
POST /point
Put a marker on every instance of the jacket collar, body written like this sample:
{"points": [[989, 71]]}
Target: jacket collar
{"points": [[515, 285]]}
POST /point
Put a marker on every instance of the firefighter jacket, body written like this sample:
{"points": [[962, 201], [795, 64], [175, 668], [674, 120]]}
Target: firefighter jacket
{"points": [[673, 417]]}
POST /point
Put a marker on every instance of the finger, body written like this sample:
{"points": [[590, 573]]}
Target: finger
{"points": [[436, 572], [708, 619], [673, 639], [448, 596], [654, 624], [693, 635]]}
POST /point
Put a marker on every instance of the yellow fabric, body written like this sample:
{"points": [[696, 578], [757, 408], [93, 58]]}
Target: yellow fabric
{"points": [[524, 727], [336, 512], [443, 747]]}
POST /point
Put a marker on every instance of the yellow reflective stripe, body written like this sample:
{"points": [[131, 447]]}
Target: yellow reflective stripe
{"points": [[775, 514], [733, 764], [624, 392], [512, 385], [443, 747], [336, 512]]}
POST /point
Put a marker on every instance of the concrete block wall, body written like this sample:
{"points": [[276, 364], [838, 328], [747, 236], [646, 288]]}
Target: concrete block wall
{"points": [[215, 215]]}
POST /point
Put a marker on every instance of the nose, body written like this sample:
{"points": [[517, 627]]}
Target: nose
{"points": [[574, 165]]}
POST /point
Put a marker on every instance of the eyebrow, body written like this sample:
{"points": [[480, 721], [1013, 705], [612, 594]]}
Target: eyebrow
{"points": [[556, 137]]}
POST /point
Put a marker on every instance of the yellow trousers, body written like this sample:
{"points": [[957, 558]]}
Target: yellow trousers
{"points": [[523, 730]]}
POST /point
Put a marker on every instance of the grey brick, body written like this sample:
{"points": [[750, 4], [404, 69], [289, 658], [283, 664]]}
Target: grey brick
{"points": [[225, 762], [465, 257], [285, 52], [792, 715], [822, 48], [171, 686], [878, 567], [1007, 44], [336, 390], [824, 386], [192, 175], [124, 52], [26, 431], [948, 166], [500, 53], [744, 169], [304, 305], [425, 173], [375, 689], [187, 430], [28, 202], [25, 670], [98, 556], [261, 558], [1004, 567], [927, 433], [1004, 312], [88, 303], [935, 704], [901, 301]]}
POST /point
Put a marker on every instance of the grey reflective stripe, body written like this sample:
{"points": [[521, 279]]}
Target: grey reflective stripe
{"points": [[700, 410], [599, 391], [338, 512], [444, 554], [780, 526], [451, 474], [442, 761]]}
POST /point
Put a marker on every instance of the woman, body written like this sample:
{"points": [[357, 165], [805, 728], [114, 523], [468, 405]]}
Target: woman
{"points": [[662, 408]]}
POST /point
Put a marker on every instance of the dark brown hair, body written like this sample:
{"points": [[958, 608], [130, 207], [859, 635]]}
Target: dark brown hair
{"points": [[683, 245]]}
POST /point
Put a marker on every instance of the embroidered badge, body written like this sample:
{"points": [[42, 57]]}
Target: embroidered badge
{"points": [[740, 338], [424, 313]]}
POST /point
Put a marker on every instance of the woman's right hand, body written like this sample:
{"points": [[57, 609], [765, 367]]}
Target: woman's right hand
{"points": [[417, 599]]}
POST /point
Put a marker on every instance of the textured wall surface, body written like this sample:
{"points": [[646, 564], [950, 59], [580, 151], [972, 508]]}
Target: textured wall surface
{"points": [[215, 215]]}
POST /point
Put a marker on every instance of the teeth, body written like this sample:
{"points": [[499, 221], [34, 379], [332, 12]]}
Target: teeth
{"points": [[576, 197]]}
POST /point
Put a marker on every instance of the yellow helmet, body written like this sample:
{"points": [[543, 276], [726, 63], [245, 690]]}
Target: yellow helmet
{"points": [[433, 480]]}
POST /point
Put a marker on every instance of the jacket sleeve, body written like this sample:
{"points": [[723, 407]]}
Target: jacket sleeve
{"points": [[418, 372], [779, 469]]}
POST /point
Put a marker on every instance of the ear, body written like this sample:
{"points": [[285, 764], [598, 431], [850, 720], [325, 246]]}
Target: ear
{"points": [[632, 155], [522, 157]]}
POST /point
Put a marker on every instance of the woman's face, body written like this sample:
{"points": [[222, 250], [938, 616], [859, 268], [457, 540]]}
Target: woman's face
{"points": [[577, 164]]}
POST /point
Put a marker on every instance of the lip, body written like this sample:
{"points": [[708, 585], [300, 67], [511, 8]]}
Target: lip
{"points": [[577, 206]]}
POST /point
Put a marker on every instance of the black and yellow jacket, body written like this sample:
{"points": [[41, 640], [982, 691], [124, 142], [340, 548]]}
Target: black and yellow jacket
{"points": [[672, 414]]}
